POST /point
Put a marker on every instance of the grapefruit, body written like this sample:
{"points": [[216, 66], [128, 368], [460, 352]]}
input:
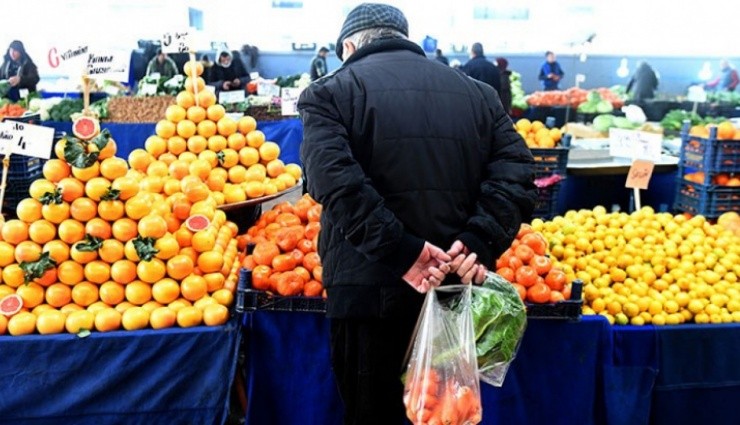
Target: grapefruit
{"points": [[11, 304], [85, 128], [197, 222]]}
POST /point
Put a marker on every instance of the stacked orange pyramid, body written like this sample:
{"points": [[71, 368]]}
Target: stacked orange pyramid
{"points": [[103, 243]]}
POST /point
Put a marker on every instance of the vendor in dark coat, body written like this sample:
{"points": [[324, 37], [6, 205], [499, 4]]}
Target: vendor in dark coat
{"points": [[505, 93], [643, 83], [415, 182], [228, 73], [19, 70], [482, 69]]}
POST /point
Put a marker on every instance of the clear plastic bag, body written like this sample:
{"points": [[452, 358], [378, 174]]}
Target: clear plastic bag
{"points": [[441, 382], [499, 321]]}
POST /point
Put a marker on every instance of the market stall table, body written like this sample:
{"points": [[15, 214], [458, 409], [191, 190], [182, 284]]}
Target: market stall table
{"points": [[603, 180], [172, 376], [585, 372], [555, 374]]}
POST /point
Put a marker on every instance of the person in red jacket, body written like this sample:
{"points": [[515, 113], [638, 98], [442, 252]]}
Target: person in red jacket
{"points": [[727, 80]]}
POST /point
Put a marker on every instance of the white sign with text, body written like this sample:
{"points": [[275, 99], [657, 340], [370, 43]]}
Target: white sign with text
{"points": [[109, 65], [268, 88], [289, 100], [68, 60], [233, 96], [634, 144], [177, 41], [26, 139]]}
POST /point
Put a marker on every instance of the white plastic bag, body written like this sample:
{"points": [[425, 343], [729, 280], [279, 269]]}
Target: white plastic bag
{"points": [[441, 382]]}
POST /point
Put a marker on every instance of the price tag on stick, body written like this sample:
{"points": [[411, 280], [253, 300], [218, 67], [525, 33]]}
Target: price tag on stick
{"points": [[638, 178], [176, 42]]}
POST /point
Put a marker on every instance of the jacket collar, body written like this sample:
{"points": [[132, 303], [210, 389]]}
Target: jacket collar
{"points": [[383, 46]]}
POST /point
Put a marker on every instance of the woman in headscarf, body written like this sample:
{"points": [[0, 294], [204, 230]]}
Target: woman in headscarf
{"points": [[19, 70]]}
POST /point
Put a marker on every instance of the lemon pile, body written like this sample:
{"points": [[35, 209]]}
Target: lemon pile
{"points": [[647, 267]]}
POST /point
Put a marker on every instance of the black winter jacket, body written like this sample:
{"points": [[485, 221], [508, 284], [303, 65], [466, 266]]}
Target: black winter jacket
{"points": [[400, 149], [483, 70]]}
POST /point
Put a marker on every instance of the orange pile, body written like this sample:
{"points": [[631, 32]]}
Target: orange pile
{"points": [[537, 135], [115, 244], [230, 158], [527, 267], [284, 259]]}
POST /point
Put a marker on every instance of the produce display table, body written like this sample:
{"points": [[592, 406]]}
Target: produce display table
{"points": [[287, 133], [566, 372], [172, 376], [289, 376]]}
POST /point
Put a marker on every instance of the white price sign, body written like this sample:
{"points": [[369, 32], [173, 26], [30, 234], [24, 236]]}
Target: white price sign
{"points": [[148, 90], [177, 41], [109, 65], [635, 144], [289, 101], [267, 88], [697, 94], [68, 60], [26, 139], [233, 96]]}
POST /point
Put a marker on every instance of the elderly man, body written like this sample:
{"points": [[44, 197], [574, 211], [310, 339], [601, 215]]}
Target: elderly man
{"points": [[482, 69], [416, 182]]}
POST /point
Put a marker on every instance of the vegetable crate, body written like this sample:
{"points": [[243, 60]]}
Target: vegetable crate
{"points": [[710, 155], [249, 299], [708, 200], [563, 310], [549, 161], [22, 172], [547, 202]]}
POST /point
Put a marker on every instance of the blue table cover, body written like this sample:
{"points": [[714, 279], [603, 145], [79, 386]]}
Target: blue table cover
{"points": [[171, 376], [569, 373], [287, 133]]}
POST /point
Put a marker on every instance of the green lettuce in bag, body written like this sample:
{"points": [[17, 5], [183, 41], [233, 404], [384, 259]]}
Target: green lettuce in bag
{"points": [[499, 321]]}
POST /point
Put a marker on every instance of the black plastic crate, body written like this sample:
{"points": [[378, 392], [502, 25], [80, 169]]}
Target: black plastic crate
{"points": [[23, 166], [708, 200], [249, 299], [550, 161], [710, 155], [16, 190], [547, 202], [563, 310]]}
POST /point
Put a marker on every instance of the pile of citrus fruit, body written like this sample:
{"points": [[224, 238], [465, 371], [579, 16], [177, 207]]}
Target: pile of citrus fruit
{"points": [[537, 135], [230, 158], [526, 265], [103, 243], [283, 259], [649, 267]]}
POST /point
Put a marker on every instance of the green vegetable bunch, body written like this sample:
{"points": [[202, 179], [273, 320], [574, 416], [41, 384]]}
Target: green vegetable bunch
{"points": [[63, 110], [673, 120], [499, 321]]}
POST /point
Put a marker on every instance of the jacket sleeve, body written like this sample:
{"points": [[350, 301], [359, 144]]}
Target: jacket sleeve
{"points": [[29, 77], [543, 73], [559, 70], [336, 180], [507, 193], [734, 80]]}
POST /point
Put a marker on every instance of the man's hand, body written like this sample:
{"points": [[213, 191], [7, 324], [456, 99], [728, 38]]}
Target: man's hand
{"points": [[14, 80], [236, 82], [465, 264], [226, 85], [429, 270]]}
